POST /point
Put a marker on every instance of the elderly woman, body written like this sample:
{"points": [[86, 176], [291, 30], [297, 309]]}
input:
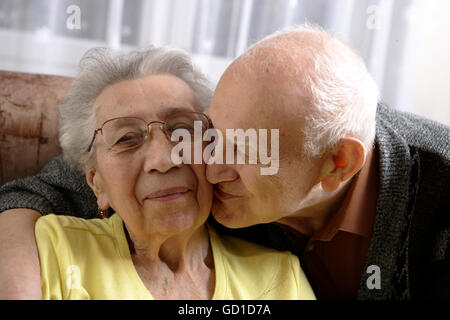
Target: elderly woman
{"points": [[116, 124]]}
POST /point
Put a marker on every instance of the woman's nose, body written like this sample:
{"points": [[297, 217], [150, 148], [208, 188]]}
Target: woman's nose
{"points": [[158, 151]]}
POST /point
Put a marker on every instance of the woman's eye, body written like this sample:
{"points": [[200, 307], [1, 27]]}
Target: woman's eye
{"points": [[127, 139], [183, 125]]}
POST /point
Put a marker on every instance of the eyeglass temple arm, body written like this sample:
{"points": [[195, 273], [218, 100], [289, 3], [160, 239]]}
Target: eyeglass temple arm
{"points": [[93, 138]]}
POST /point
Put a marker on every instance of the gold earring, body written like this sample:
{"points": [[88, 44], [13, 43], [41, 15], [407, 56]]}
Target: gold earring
{"points": [[102, 213]]}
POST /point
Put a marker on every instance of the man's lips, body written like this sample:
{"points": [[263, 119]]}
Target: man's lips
{"points": [[222, 195], [167, 194]]}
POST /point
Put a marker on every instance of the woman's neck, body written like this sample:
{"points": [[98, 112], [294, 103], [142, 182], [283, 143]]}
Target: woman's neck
{"points": [[183, 250], [166, 264]]}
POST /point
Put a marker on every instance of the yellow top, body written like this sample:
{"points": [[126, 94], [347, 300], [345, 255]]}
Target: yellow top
{"points": [[90, 259]]}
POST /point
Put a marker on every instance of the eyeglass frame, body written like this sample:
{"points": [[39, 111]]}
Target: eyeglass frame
{"points": [[164, 123]]}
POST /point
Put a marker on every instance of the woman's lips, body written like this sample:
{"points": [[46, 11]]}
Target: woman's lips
{"points": [[222, 195], [167, 194]]}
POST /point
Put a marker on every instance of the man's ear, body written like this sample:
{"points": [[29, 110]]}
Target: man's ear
{"points": [[95, 181], [342, 163]]}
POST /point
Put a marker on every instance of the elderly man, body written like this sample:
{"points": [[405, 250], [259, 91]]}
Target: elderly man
{"points": [[360, 195]]}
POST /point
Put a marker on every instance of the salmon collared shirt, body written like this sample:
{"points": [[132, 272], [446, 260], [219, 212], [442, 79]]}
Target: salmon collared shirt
{"points": [[334, 256]]}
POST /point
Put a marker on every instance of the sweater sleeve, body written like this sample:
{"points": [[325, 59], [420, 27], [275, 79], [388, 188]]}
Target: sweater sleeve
{"points": [[55, 189]]}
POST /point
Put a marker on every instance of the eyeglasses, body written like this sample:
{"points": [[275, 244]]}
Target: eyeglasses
{"points": [[126, 133]]}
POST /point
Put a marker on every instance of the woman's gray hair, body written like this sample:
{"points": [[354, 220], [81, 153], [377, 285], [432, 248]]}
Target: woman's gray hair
{"points": [[100, 68]]}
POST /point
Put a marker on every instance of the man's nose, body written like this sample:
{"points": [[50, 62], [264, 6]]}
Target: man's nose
{"points": [[216, 173], [158, 151]]}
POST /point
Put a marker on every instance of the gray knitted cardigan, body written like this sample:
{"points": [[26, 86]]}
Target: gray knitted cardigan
{"points": [[410, 238]]}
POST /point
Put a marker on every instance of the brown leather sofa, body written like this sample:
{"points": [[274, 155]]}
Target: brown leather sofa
{"points": [[28, 122]]}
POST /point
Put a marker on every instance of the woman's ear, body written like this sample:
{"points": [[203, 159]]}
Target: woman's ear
{"points": [[342, 163], [95, 180]]}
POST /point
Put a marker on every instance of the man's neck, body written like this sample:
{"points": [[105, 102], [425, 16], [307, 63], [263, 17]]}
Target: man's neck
{"points": [[315, 216]]}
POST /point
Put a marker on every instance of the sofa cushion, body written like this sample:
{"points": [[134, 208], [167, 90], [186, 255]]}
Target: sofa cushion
{"points": [[28, 122]]}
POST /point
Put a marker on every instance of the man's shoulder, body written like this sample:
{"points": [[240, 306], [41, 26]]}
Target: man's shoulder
{"points": [[416, 131], [412, 212]]}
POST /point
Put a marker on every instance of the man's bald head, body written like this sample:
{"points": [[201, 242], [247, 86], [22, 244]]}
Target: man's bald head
{"points": [[325, 81]]}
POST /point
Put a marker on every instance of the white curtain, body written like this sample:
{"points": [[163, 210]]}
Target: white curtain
{"points": [[404, 58]]}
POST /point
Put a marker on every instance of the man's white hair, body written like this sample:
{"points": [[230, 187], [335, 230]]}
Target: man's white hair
{"points": [[340, 93], [100, 68]]}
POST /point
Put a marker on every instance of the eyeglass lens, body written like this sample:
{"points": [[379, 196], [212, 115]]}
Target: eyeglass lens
{"points": [[127, 133]]}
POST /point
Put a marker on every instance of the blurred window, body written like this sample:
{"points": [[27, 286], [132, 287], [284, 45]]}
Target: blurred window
{"points": [[43, 36]]}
